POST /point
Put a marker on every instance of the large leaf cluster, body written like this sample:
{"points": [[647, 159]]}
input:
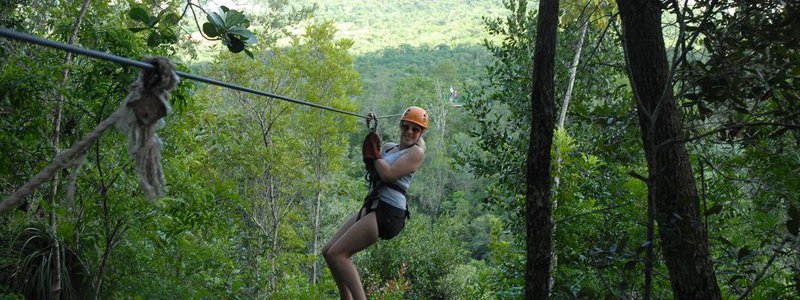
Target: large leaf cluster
{"points": [[231, 27], [746, 71]]}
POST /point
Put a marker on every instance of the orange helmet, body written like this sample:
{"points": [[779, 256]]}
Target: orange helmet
{"points": [[416, 115]]}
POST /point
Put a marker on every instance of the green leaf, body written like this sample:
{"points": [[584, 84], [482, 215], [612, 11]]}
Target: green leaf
{"points": [[242, 32], [210, 30], [236, 45], [631, 264], [250, 54], [725, 241], [153, 39], [137, 29], [713, 210], [793, 220], [224, 8], [154, 20], [172, 18], [215, 19], [139, 14], [743, 253], [795, 72], [234, 18]]}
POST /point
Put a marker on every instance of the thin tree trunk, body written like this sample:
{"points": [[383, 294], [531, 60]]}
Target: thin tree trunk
{"points": [[796, 238], [538, 206], [671, 184], [56, 285], [113, 235], [573, 70], [111, 242], [316, 237], [650, 255], [275, 226], [775, 251], [319, 153], [797, 265]]}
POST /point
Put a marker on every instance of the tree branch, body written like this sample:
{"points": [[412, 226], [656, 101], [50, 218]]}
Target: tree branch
{"points": [[591, 212], [728, 127], [772, 257]]}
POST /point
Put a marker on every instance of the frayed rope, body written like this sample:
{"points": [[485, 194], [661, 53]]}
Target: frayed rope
{"points": [[139, 116], [145, 106]]}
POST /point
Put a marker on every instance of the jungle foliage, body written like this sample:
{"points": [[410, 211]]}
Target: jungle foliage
{"points": [[257, 185]]}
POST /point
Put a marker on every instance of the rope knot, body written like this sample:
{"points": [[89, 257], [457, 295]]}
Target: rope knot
{"points": [[144, 107], [154, 87]]}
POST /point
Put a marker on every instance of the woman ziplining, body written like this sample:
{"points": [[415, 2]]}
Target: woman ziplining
{"points": [[385, 208], [390, 169]]}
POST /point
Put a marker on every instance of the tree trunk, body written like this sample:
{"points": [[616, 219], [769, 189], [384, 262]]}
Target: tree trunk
{"points": [[56, 288], [276, 219], [316, 231], [684, 241], [538, 206], [650, 254], [573, 72]]}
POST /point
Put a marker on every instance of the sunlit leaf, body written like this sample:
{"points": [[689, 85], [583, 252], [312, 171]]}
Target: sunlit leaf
{"points": [[242, 32], [215, 19], [234, 18]]}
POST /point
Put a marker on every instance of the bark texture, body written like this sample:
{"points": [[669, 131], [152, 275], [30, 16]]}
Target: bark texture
{"points": [[684, 241], [537, 203]]}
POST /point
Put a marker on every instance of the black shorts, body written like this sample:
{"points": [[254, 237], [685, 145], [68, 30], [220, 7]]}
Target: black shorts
{"points": [[391, 220]]}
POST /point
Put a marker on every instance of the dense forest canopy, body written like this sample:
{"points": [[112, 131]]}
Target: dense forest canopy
{"points": [[674, 128]]}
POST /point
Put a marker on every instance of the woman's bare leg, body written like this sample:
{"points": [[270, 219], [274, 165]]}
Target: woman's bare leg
{"points": [[343, 291], [359, 236]]}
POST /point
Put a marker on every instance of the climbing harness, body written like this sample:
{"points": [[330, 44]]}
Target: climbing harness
{"points": [[375, 185], [372, 196]]}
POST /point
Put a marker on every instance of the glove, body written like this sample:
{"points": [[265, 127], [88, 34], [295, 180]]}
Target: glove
{"points": [[371, 148], [370, 151]]}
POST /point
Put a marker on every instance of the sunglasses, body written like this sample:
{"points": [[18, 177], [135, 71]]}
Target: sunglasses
{"points": [[413, 127]]}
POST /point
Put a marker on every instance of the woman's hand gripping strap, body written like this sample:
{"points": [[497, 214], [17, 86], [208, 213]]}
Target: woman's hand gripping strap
{"points": [[371, 148]]}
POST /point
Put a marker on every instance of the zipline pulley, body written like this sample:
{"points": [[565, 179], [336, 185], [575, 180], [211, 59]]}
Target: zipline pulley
{"points": [[372, 122]]}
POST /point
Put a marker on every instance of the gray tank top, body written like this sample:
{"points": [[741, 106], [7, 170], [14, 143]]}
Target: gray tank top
{"points": [[390, 195]]}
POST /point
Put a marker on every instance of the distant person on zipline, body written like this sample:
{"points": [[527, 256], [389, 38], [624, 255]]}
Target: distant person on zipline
{"points": [[385, 210]]}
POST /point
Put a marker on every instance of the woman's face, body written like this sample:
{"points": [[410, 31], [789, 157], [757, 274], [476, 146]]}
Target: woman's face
{"points": [[409, 133]]}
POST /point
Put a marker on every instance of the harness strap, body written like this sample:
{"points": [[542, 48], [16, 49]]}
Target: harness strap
{"points": [[375, 185], [370, 199]]}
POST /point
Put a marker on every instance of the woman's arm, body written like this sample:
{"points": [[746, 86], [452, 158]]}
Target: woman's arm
{"points": [[404, 165]]}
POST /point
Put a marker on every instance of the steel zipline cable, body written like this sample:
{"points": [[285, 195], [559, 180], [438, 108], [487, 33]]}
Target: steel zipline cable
{"points": [[11, 34]]}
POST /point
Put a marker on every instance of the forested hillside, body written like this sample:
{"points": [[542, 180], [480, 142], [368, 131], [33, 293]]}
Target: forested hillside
{"points": [[379, 25], [671, 139]]}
